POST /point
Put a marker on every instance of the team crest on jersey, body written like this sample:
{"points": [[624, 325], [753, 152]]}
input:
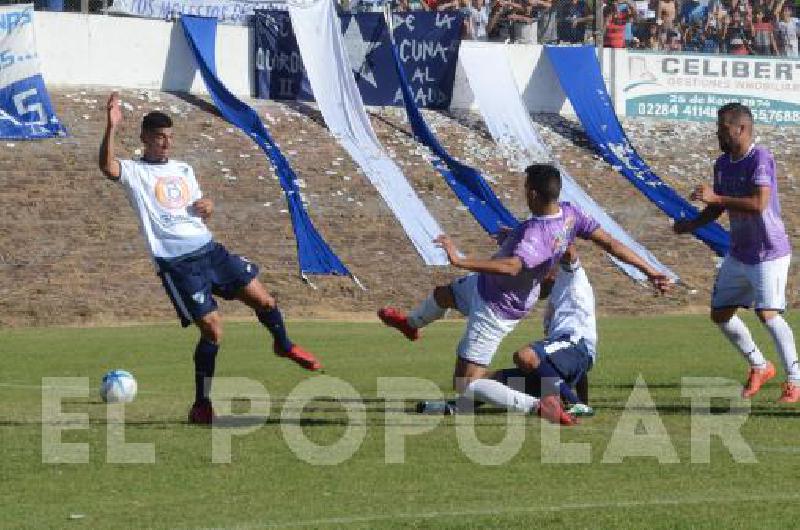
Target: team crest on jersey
{"points": [[561, 238], [172, 192], [199, 297]]}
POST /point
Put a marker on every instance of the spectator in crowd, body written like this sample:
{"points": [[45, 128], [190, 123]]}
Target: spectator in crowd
{"points": [[616, 16], [548, 19], [786, 31], [440, 5], [738, 36], [476, 19], [666, 11], [508, 20], [764, 33], [573, 18]]}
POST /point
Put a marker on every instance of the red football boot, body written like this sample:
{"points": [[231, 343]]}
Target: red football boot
{"points": [[397, 319], [298, 355], [550, 409], [201, 413]]}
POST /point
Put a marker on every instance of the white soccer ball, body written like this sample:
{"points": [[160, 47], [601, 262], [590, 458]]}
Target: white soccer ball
{"points": [[118, 386]]}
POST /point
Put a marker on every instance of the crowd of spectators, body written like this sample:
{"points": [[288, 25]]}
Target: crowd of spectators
{"points": [[736, 27], [739, 27]]}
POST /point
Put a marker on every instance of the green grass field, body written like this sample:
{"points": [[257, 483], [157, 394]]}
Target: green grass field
{"points": [[267, 485]]}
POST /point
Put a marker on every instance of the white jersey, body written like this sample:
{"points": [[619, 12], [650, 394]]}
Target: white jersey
{"points": [[161, 194], [570, 307]]}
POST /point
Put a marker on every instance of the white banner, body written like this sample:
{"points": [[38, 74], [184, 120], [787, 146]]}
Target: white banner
{"points": [[225, 11], [319, 37], [492, 83], [693, 87], [25, 109]]}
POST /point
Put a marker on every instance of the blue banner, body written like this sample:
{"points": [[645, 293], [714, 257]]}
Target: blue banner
{"points": [[314, 254], [25, 108], [581, 80], [427, 43], [466, 182]]}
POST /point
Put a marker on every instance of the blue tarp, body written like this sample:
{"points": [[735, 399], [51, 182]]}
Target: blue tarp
{"points": [[581, 80], [314, 254], [466, 182]]}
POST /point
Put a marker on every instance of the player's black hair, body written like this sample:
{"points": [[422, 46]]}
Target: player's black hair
{"points": [[736, 110], [156, 120], [545, 180]]}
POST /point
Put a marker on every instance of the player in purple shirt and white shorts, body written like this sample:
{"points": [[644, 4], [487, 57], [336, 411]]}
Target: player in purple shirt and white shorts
{"points": [[504, 288], [754, 272]]}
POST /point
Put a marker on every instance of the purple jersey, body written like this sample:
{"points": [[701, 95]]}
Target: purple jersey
{"points": [[539, 242], [755, 237]]}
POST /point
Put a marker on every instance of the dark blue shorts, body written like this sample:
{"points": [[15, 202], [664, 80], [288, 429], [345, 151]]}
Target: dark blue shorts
{"points": [[192, 281], [570, 359]]}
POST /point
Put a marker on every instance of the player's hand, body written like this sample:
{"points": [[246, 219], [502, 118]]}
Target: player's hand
{"points": [[113, 110], [683, 226], [449, 247], [203, 208], [502, 234], [661, 282], [705, 193]]}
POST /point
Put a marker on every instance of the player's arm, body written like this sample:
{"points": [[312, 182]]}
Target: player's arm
{"points": [[709, 214], [510, 266], [755, 203], [603, 239], [109, 164]]}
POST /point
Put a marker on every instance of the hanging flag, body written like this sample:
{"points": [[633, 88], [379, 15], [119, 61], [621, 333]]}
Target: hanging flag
{"points": [[313, 253], [25, 109], [581, 80]]}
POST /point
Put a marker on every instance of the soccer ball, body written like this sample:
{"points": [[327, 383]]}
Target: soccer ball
{"points": [[118, 386]]}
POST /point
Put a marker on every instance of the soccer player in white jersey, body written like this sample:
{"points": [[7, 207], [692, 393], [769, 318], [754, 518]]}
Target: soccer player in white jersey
{"points": [[507, 285], [564, 357], [755, 270], [193, 268]]}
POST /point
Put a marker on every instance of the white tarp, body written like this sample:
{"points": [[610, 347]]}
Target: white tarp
{"points": [[316, 27], [507, 119]]}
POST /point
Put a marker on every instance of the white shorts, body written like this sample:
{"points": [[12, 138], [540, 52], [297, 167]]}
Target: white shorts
{"points": [[485, 330], [762, 285]]}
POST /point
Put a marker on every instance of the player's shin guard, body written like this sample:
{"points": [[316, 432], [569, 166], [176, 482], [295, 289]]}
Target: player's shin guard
{"points": [[426, 312], [205, 359], [498, 394], [737, 333], [784, 342], [273, 321]]}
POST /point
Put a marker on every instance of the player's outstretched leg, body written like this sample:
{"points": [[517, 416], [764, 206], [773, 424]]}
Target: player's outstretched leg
{"points": [[256, 296], [430, 310], [734, 328], [783, 338], [205, 356]]}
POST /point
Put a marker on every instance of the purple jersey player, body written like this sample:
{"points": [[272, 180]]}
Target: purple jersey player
{"points": [[754, 272], [503, 288]]}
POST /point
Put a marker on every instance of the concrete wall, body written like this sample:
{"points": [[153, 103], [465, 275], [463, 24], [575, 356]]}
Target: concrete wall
{"points": [[84, 50], [91, 50]]}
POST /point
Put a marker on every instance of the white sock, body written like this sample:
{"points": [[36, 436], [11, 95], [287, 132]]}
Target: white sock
{"points": [[425, 313], [737, 332], [498, 394], [784, 343]]}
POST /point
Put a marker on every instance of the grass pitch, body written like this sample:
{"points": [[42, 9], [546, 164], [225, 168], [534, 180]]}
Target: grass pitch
{"points": [[439, 484]]}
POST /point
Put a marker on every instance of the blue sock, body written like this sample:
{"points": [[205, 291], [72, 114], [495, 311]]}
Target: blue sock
{"points": [[553, 383], [273, 320], [205, 358]]}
